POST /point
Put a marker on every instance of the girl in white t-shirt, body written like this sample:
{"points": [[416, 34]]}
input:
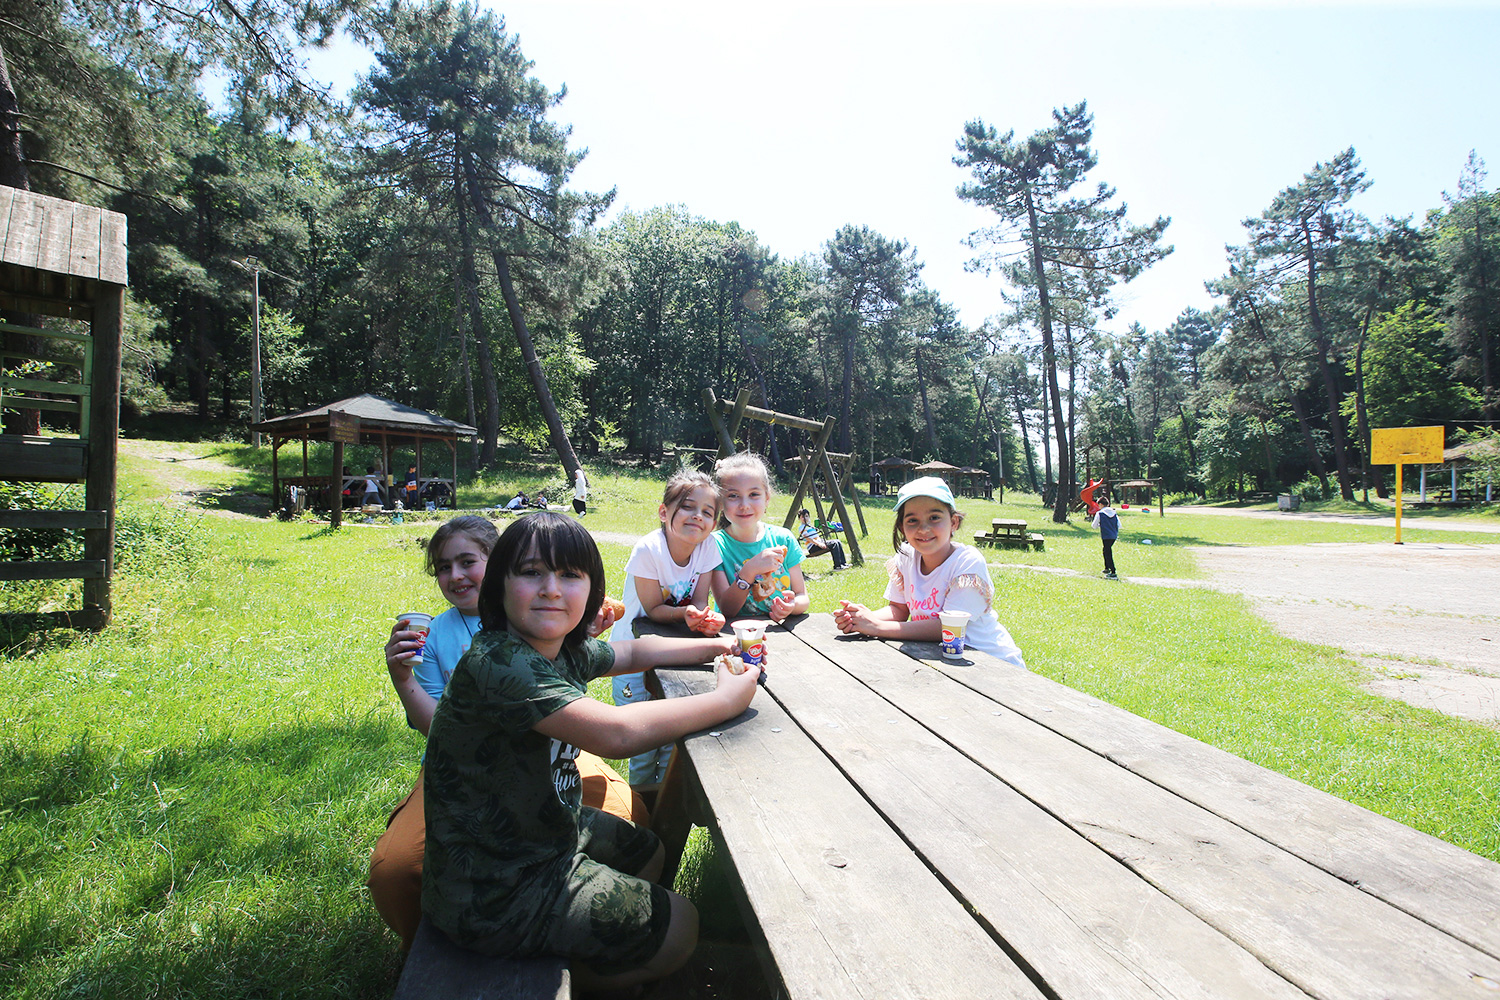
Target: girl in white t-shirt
{"points": [[929, 573], [667, 579]]}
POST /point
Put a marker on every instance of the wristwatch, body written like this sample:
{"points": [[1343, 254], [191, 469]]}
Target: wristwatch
{"points": [[741, 584]]}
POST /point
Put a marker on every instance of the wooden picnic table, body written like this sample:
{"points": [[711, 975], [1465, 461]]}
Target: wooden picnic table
{"points": [[1009, 533], [908, 826]]}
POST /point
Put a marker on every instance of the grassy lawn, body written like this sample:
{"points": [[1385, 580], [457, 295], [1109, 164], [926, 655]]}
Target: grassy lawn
{"points": [[188, 801]]}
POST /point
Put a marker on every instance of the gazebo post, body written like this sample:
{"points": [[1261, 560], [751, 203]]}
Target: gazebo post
{"points": [[336, 502], [453, 453], [276, 443]]}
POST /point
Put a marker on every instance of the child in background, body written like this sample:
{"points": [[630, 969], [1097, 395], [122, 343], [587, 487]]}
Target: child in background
{"points": [[929, 573], [1108, 523], [667, 579], [816, 543], [760, 573], [457, 555], [516, 866]]}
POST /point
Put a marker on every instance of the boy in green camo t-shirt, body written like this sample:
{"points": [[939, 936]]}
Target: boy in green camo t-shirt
{"points": [[515, 865]]}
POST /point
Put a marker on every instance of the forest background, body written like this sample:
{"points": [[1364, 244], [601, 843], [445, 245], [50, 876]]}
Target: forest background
{"points": [[421, 241]]}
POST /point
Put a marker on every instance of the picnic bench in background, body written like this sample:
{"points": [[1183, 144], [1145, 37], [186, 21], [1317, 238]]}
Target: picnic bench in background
{"points": [[1008, 533], [908, 826]]}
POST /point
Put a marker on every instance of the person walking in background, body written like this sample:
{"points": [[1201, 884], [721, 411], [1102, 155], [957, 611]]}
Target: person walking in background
{"points": [[580, 493], [1108, 523], [410, 487]]}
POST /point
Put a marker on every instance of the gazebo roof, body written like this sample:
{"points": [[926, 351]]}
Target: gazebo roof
{"points": [[375, 414], [894, 463], [937, 467], [1468, 450], [969, 470]]}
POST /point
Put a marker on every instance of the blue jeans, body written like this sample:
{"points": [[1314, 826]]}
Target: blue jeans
{"points": [[650, 767]]}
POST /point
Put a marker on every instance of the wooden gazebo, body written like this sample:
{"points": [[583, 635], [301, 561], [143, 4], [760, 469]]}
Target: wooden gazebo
{"points": [[890, 466], [944, 471], [973, 482], [66, 261], [364, 419]]}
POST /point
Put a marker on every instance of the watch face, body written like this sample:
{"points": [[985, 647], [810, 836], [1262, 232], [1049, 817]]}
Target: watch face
{"points": [[742, 584]]}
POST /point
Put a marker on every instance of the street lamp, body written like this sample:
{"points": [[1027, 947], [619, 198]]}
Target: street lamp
{"points": [[252, 266]]}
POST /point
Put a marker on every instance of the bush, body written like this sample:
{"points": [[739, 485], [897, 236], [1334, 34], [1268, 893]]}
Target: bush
{"points": [[1310, 489]]}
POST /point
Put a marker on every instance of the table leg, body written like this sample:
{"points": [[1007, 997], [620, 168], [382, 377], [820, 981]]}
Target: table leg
{"points": [[677, 804]]}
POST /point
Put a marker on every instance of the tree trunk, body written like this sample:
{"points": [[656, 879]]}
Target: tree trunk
{"points": [[932, 445], [555, 429], [463, 357], [1049, 366], [1325, 368], [1361, 421], [1026, 444], [13, 170], [846, 441], [489, 431], [1307, 437]]}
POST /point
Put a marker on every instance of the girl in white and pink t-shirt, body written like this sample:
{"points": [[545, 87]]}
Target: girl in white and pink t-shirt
{"points": [[929, 573]]}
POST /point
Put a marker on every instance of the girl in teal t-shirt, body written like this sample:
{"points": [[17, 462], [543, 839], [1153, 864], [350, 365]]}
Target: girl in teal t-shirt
{"points": [[760, 573]]}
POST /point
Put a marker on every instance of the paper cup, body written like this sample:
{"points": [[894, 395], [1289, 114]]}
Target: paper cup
{"points": [[954, 625], [752, 639], [420, 622]]}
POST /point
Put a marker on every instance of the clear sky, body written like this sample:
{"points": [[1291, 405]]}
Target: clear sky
{"points": [[796, 119]]}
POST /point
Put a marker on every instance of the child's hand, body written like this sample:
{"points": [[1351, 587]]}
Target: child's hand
{"points": [[764, 562], [738, 688], [399, 649], [707, 621], [844, 617], [604, 620], [781, 605]]}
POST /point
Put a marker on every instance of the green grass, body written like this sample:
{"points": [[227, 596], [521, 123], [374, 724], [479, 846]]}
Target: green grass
{"points": [[188, 800]]}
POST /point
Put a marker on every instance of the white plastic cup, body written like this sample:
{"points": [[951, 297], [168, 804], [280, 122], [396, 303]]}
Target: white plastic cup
{"points": [[752, 639], [955, 624], [420, 622]]}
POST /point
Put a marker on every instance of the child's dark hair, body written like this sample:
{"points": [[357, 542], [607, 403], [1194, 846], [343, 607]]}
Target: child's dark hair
{"points": [[556, 541], [481, 529], [898, 536]]}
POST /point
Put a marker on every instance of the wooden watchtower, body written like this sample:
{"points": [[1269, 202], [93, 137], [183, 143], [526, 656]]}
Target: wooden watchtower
{"points": [[64, 261]]}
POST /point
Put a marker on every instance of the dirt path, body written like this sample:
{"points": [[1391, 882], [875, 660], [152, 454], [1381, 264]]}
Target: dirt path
{"points": [[1379, 520], [194, 478]]}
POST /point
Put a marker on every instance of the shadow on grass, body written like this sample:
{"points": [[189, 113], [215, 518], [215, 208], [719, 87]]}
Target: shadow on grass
{"points": [[229, 867]]}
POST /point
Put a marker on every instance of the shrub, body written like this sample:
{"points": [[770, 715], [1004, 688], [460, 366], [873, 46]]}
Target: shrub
{"points": [[1310, 489]]}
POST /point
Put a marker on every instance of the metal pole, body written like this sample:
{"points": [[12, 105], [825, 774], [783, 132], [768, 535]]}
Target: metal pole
{"points": [[255, 361]]}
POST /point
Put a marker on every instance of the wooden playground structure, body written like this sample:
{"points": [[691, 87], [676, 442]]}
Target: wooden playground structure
{"points": [[727, 419], [66, 262]]}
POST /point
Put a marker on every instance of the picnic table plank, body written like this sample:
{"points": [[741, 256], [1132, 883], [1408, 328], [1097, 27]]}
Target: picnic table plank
{"points": [[1324, 935], [820, 870], [1085, 924], [1435, 881]]}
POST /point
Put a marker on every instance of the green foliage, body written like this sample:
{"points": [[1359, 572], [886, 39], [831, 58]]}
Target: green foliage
{"points": [[1406, 380]]}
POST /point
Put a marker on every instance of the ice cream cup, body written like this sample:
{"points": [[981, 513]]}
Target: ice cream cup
{"points": [[752, 639], [419, 622], [954, 625]]}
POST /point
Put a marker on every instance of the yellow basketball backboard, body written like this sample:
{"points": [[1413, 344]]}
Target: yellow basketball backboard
{"points": [[1406, 445]]}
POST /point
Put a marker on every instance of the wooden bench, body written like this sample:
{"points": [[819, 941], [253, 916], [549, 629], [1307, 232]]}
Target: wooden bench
{"points": [[438, 969], [1008, 533]]}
